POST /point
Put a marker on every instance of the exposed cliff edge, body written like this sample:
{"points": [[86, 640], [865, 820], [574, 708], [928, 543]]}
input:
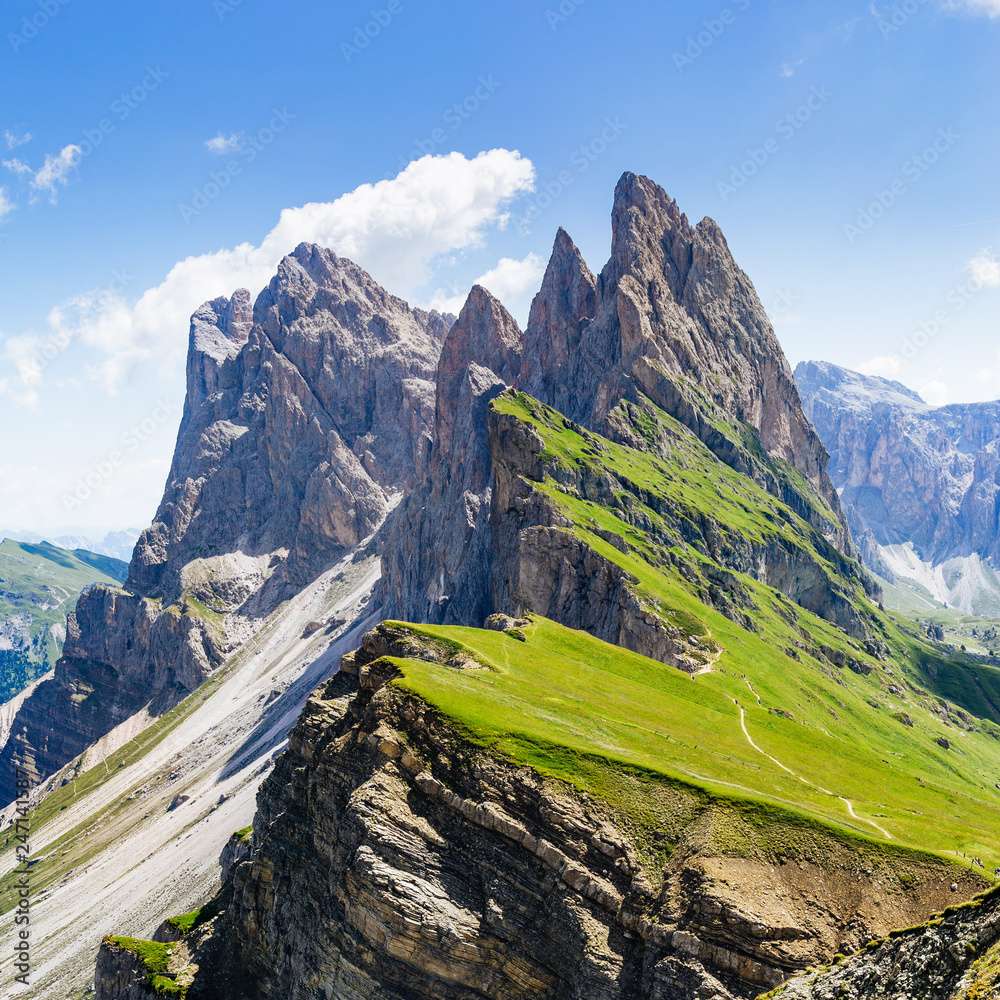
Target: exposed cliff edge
{"points": [[919, 483], [306, 412], [954, 956], [394, 858]]}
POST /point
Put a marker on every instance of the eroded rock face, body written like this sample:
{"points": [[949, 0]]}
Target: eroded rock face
{"points": [[305, 412], [671, 319], [677, 320], [437, 549], [911, 475], [302, 417], [394, 860], [956, 957]]}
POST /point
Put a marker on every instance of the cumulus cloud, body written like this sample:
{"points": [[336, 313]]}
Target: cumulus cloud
{"points": [[222, 144], [886, 365], [984, 269], [6, 205], [14, 139], [512, 281], [56, 169], [394, 228]]}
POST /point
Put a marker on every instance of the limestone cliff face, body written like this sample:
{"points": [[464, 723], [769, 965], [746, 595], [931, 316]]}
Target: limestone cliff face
{"points": [[303, 416], [437, 548], [671, 319], [306, 411], [913, 476], [393, 860], [676, 319]]}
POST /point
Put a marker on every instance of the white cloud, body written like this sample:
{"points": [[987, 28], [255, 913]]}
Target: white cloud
{"points": [[886, 365], [788, 69], [6, 205], [512, 281], [56, 169], [987, 8], [984, 269], [12, 140], [934, 392], [394, 228], [221, 144], [19, 167]]}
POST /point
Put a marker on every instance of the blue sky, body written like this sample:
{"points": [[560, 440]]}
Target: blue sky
{"points": [[848, 150]]}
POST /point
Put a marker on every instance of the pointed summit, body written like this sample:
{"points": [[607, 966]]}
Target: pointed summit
{"points": [[566, 302], [485, 339]]}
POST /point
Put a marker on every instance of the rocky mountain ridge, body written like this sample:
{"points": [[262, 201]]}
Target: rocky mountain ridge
{"points": [[672, 325], [306, 411], [919, 483]]}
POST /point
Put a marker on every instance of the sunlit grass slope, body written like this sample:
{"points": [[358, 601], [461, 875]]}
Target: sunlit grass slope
{"points": [[885, 750]]}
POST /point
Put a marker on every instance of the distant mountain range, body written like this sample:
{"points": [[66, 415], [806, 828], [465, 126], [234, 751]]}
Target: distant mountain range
{"points": [[117, 544], [920, 485], [39, 585]]}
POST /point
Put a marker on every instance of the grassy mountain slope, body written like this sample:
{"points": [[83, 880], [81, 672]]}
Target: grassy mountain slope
{"points": [[39, 584], [900, 744]]}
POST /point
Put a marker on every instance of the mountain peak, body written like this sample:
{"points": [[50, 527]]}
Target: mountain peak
{"points": [[857, 388], [563, 305]]}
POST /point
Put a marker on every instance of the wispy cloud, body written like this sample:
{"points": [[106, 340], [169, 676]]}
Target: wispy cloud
{"points": [[19, 167], [54, 172], [6, 205], [396, 228], [14, 139], [221, 145], [789, 68], [982, 8], [984, 269]]}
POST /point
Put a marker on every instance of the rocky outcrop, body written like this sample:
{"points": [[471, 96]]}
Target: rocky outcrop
{"points": [[306, 413], [919, 483], [678, 321], [672, 320], [955, 956], [394, 859], [303, 415], [560, 313], [438, 547]]}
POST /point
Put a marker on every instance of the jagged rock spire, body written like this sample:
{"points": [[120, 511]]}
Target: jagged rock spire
{"points": [[565, 303]]}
